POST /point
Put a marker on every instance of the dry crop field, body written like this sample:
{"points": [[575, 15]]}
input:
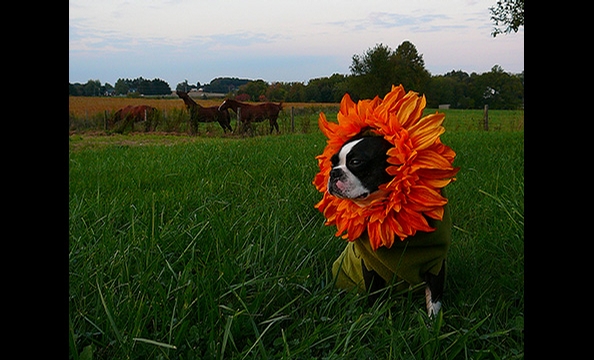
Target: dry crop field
{"points": [[85, 105], [88, 106]]}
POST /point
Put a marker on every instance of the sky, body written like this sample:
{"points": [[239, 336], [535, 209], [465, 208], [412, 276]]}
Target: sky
{"points": [[278, 40]]}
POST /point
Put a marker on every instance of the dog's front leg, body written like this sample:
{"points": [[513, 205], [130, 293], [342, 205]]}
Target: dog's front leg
{"points": [[373, 283], [434, 291]]}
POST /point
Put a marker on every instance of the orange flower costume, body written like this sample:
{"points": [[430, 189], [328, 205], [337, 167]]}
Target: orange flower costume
{"points": [[420, 164]]}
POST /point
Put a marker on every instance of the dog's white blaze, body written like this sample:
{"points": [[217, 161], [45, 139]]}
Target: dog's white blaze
{"points": [[342, 155]]}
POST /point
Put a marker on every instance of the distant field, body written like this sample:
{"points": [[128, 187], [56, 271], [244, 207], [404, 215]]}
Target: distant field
{"points": [[89, 106]]}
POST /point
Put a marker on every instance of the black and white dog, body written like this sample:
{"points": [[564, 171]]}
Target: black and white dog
{"points": [[358, 169]]}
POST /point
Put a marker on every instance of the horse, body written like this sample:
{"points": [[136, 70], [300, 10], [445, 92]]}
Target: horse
{"points": [[131, 114], [205, 114], [255, 113]]}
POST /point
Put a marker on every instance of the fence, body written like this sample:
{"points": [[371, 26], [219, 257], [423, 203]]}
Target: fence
{"points": [[291, 120]]}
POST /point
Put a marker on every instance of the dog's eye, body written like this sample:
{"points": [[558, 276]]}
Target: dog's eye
{"points": [[355, 162]]}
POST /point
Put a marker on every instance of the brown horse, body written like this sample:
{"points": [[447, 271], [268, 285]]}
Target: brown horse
{"points": [[205, 114], [127, 116], [255, 113]]}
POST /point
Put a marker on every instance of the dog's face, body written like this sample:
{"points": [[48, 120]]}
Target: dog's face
{"points": [[359, 168]]}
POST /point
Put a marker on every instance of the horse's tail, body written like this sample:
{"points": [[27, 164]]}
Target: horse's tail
{"points": [[114, 118]]}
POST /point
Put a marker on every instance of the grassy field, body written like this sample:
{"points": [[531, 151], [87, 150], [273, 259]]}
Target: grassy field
{"points": [[210, 248]]}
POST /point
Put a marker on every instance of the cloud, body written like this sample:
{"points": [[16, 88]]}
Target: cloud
{"points": [[387, 20], [233, 41]]}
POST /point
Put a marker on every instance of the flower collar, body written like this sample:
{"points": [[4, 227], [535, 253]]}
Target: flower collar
{"points": [[419, 163]]}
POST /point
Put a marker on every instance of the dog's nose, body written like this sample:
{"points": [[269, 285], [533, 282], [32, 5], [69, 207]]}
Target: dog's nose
{"points": [[335, 173]]}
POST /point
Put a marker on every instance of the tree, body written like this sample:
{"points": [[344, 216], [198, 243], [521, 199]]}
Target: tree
{"points": [[295, 92], [224, 85], [451, 88], [379, 68], [498, 89], [509, 13], [441, 91], [121, 87], [410, 68], [254, 89], [373, 72], [324, 89], [92, 88], [154, 87], [185, 87]]}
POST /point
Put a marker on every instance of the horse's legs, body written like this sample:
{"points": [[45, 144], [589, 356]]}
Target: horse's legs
{"points": [[225, 126], [274, 124], [194, 126]]}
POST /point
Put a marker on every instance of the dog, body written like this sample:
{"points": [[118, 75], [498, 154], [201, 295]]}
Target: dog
{"points": [[358, 170]]}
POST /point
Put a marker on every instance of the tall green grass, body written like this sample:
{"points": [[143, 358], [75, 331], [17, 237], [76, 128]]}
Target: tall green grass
{"points": [[212, 249], [305, 120]]}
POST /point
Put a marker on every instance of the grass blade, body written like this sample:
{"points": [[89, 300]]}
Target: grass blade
{"points": [[109, 317], [156, 343], [460, 342], [226, 335]]}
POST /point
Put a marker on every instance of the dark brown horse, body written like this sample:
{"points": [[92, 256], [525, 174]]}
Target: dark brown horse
{"points": [[205, 114], [127, 116], [255, 113]]}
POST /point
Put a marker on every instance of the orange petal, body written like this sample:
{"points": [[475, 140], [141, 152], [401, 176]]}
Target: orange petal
{"points": [[409, 110], [428, 159], [426, 131], [347, 106], [435, 183], [426, 196], [326, 127], [437, 173], [436, 213], [415, 220]]}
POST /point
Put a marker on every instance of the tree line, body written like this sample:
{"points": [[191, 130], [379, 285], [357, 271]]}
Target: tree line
{"points": [[371, 73], [138, 86]]}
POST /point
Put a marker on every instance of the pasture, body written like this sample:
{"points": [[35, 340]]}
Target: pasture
{"points": [[209, 247], [89, 114]]}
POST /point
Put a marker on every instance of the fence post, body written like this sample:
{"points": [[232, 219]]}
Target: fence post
{"points": [[105, 120], [239, 121], [292, 120], [486, 118]]}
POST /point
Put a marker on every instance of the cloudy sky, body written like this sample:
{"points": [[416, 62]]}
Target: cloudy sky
{"points": [[276, 40]]}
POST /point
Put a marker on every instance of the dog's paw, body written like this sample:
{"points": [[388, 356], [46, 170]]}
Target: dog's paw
{"points": [[433, 308]]}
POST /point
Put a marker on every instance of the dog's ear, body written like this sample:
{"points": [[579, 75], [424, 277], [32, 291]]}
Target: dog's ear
{"points": [[368, 131]]}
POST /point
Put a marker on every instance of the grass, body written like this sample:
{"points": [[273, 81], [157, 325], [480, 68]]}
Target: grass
{"points": [[209, 247]]}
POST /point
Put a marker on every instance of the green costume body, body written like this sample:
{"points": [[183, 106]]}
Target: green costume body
{"points": [[408, 260]]}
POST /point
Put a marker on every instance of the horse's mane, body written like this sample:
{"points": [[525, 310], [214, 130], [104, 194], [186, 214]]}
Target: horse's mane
{"points": [[187, 99]]}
